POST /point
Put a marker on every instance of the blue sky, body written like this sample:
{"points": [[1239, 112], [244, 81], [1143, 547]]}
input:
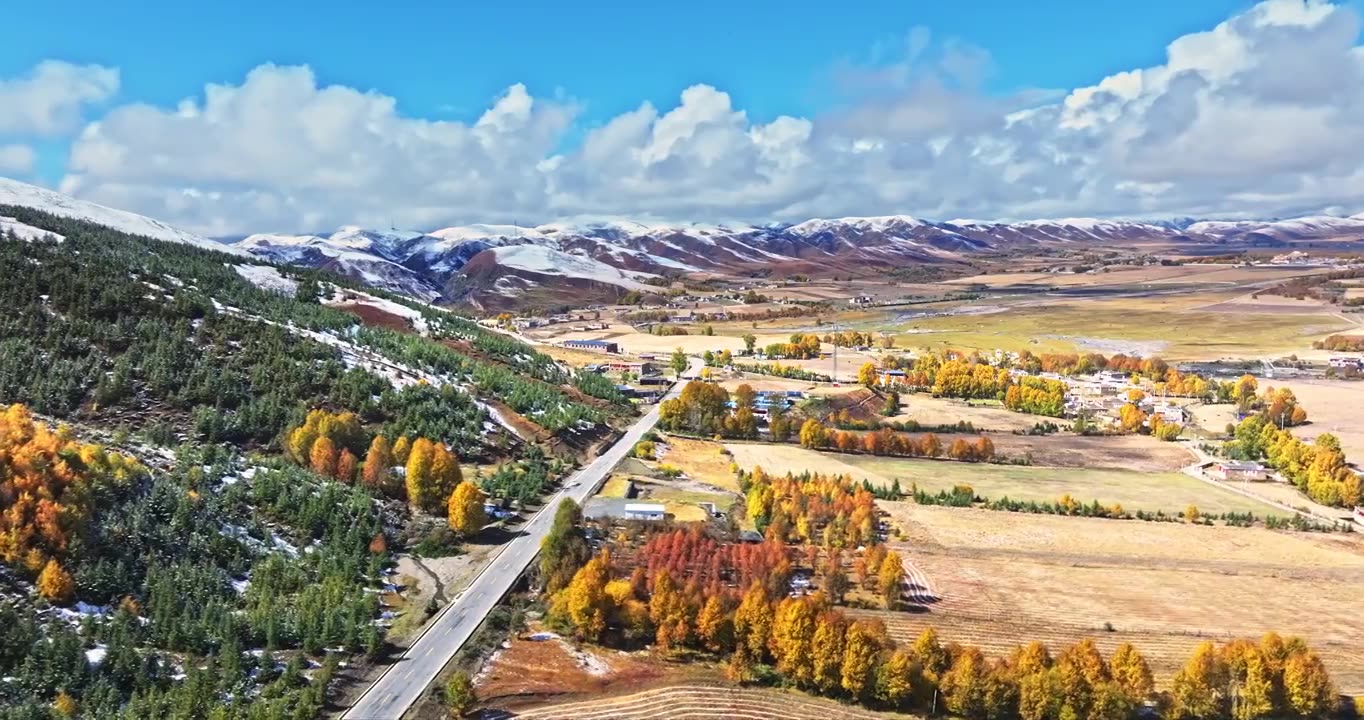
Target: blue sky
{"points": [[452, 60], [448, 58]]}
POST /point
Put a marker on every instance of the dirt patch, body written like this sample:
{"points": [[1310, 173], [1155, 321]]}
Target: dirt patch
{"points": [[1126, 452], [375, 317], [538, 665]]}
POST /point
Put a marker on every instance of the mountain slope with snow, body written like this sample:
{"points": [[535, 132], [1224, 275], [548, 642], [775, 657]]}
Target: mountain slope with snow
{"points": [[13, 192], [492, 261]]}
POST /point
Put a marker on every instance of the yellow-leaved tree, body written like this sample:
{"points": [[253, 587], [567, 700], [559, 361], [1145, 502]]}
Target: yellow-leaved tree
{"points": [[714, 625], [793, 634], [1197, 689], [445, 472], [420, 486], [585, 600], [753, 622], [378, 464], [55, 584], [866, 374], [1132, 673], [1307, 686], [862, 648], [827, 651], [465, 511], [322, 457]]}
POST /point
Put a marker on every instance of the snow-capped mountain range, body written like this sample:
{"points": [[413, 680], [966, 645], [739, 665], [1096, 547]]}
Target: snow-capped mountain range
{"points": [[501, 265]]}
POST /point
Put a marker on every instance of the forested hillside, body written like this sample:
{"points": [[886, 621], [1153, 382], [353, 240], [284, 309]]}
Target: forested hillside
{"points": [[260, 455]]}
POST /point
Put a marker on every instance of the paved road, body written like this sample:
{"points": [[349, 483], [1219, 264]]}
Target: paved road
{"points": [[404, 682]]}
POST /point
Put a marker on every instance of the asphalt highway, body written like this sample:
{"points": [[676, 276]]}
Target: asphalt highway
{"points": [[404, 682]]}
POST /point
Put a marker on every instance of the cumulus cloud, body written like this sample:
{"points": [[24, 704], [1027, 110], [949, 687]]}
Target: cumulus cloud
{"points": [[17, 159], [1260, 115], [48, 101]]}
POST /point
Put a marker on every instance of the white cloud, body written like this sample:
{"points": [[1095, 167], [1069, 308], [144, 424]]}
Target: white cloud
{"points": [[48, 100], [17, 159], [1260, 115]]}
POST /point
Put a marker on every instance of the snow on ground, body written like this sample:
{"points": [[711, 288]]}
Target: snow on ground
{"points": [[9, 225], [538, 259], [95, 655], [13, 192], [399, 375], [589, 663], [267, 277]]}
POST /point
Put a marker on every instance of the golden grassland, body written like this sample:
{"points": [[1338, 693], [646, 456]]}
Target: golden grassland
{"points": [[1166, 491], [1145, 327], [1004, 579], [701, 460]]}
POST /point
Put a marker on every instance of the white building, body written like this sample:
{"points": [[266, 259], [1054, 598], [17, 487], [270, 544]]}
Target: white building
{"points": [[1169, 413], [644, 511]]}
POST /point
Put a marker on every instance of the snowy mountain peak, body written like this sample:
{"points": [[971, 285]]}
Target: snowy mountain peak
{"points": [[881, 224]]}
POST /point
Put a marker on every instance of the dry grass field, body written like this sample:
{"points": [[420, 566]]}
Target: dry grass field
{"points": [[1125, 452], [928, 410], [1152, 325], [1170, 492], [615, 486], [1332, 406], [1003, 579], [778, 459], [1156, 489], [705, 702], [701, 461]]}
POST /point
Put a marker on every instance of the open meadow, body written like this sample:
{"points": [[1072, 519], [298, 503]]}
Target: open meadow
{"points": [[1161, 490], [1003, 579], [928, 410], [1143, 326]]}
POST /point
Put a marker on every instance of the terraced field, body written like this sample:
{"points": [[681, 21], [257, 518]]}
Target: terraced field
{"points": [[705, 702]]}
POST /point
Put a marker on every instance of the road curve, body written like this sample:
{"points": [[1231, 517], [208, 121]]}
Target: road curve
{"points": [[404, 682]]}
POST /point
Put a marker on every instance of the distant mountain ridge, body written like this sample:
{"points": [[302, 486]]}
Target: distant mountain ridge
{"points": [[604, 259]]}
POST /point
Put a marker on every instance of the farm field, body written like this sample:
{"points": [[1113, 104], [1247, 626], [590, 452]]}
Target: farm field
{"points": [[1141, 453], [1332, 406], [1143, 326], [928, 410], [1003, 579], [705, 702], [1149, 491], [778, 459]]}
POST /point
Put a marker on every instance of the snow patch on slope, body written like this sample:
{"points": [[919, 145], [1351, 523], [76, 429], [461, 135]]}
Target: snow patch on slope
{"points": [[10, 226], [13, 192], [267, 277], [546, 261]]}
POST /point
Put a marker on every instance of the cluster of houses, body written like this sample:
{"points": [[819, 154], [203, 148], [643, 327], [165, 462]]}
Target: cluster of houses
{"points": [[767, 400], [1352, 362]]}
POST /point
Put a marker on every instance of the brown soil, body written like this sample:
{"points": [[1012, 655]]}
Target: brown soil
{"points": [[374, 317]]}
